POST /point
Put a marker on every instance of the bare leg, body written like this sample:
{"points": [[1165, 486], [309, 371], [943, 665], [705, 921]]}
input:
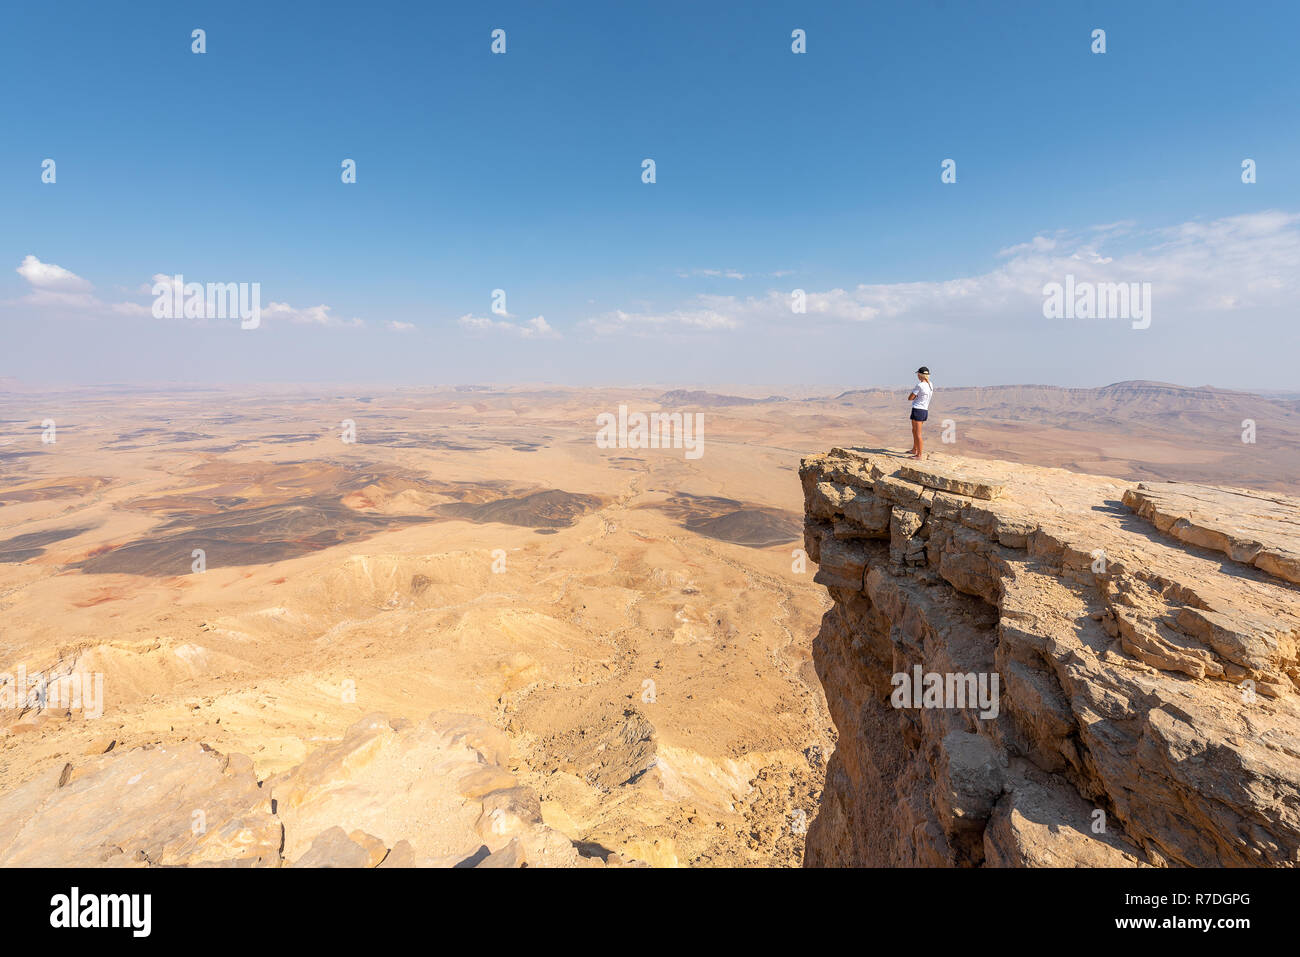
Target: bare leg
{"points": [[916, 438]]}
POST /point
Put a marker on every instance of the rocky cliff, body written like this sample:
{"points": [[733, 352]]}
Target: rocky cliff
{"points": [[1032, 667]]}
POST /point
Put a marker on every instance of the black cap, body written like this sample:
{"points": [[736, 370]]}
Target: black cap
{"points": [[924, 370]]}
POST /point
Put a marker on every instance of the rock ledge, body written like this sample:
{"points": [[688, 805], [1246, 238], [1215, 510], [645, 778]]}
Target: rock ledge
{"points": [[1129, 652]]}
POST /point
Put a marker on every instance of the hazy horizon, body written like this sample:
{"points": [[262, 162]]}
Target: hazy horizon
{"points": [[15, 386]]}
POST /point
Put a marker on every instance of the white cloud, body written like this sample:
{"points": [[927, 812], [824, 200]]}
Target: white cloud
{"points": [[1249, 261], [274, 311], [1039, 244], [535, 328], [539, 328], [310, 316], [51, 277], [706, 313], [55, 291], [712, 273], [392, 325]]}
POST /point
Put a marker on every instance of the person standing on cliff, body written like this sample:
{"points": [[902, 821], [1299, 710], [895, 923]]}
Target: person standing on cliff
{"points": [[920, 399]]}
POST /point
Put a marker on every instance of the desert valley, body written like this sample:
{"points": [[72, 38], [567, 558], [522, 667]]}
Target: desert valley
{"points": [[615, 644]]}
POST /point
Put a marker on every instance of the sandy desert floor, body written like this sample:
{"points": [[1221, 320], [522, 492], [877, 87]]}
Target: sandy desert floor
{"points": [[637, 621]]}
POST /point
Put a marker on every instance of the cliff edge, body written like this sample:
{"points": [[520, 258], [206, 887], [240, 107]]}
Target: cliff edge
{"points": [[1033, 667]]}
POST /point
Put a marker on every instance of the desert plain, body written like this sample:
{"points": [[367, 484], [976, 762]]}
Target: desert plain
{"points": [[256, 569]]}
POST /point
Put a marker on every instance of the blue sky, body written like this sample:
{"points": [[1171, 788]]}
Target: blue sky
{"points": [[775, 171]]}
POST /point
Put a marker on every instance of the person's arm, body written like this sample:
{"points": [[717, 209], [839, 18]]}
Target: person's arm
{"points": [[912, 395]]}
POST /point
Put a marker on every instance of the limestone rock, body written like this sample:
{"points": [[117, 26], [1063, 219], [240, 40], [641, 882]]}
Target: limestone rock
{"points": [[388, 794], [969, 780], [182, 804], [439, 787], [400, 854], [1257, 528], [336, 848], [1143, 639], [1049, 825], [949, 480]]}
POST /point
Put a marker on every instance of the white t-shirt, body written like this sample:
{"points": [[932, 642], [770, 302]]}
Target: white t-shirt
{"points": [[923, 392]]}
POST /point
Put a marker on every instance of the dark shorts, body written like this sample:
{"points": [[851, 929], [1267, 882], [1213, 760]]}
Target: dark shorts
{"points": [[920, 415]]}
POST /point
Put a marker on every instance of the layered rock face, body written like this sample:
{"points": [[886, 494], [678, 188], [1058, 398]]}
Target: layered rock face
{"points": [[1032, 667]]}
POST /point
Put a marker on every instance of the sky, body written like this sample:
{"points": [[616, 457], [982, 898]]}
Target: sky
{"points": [[774, 171]]}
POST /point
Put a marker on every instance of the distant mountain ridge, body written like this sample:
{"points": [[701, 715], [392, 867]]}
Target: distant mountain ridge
{"points": [[1129, 386], [1119, 397], [699, 398]]}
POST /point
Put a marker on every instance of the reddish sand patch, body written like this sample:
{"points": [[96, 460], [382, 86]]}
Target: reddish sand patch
{"points": [[106, 594]]}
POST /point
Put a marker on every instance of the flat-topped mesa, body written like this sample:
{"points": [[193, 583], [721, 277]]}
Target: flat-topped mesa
{"points": [[1029, 666]]}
